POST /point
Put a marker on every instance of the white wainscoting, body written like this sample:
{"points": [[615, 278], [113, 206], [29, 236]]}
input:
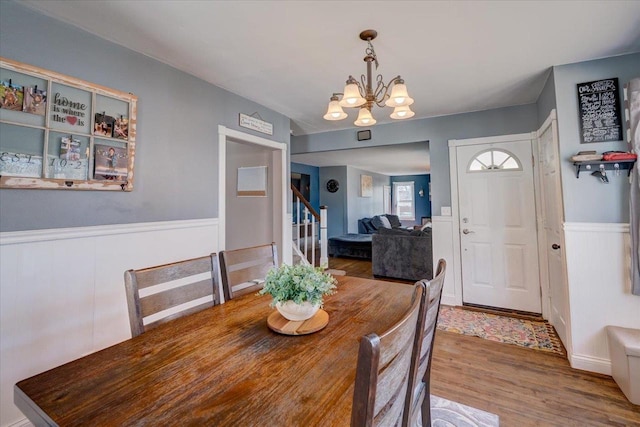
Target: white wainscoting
{"points": [[62, 291], [443, 247], [598, 262]]}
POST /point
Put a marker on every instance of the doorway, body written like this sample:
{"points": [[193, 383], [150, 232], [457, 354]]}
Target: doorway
{"points": [[494, 207], [275, 155]]}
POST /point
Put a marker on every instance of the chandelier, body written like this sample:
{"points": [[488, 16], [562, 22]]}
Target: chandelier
{"points": [[362, 95]]}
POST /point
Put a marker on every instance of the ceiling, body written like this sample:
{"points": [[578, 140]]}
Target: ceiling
{"points": [[290, 56], [392, 160]]}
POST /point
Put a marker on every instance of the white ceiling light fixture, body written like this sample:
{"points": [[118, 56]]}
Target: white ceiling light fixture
{"points": [[362, 94]]}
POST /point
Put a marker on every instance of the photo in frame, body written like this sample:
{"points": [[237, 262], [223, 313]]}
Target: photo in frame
{"points": [[366, 186], [110, 163], [252, 181]]}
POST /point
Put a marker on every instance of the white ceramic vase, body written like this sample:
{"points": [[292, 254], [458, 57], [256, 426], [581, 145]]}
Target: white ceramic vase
{"points": [[297, 312]]}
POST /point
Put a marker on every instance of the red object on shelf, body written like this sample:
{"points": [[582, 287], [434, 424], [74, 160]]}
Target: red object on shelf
{"points": [[618, 155]]}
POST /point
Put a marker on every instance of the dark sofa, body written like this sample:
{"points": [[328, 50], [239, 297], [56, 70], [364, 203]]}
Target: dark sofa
{"points": [[402, 254], [359, 245]]}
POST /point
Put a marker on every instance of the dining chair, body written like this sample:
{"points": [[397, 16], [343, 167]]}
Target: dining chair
{"points": [[383, 369], [418, 405], [156, 295], [243, 270]]}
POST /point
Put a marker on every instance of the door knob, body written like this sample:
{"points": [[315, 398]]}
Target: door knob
{"points": [[467, 231], [555, 246]]}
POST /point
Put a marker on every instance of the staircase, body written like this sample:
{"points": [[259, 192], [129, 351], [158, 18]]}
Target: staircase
{"points": [[309, 232]]}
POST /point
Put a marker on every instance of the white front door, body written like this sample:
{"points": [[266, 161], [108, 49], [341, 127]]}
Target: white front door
{"points": [[552, 211], [498, 226]]}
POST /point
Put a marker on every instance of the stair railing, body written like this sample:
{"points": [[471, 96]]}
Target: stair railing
{"points": [[305, 222]]}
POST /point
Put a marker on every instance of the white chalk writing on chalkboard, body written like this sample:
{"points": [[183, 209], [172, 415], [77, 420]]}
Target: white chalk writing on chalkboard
{"points": [[599, 109]]}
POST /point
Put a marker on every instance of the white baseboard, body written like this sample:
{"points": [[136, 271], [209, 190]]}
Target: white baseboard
{"points": [[449, 300], [591, 364], [21, 423]]}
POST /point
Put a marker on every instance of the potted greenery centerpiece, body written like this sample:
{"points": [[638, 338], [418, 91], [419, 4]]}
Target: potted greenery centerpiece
{"points": [[298, 290]]}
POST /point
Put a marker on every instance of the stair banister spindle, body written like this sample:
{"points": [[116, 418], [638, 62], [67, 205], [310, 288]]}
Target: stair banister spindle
{"points": [[298, 222], [313, 240], [306, 232], [324, 259]]}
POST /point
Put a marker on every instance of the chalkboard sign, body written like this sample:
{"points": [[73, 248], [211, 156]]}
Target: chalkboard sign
{"points": [[599, 107]]}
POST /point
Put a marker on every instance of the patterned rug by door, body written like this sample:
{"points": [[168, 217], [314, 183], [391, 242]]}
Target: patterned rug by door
{"points": [[538, 335]]}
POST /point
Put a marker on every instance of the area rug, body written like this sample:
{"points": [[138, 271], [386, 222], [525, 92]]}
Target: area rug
{"points": [[445, 413], [538, 335]]}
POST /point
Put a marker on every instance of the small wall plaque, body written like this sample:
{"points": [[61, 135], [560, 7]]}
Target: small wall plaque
{"points": [[255, 123]]}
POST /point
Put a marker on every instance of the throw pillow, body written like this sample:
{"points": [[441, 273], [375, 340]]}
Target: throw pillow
{"points": [[376, 222], [368, 227], [394, 220], [385, 221]]}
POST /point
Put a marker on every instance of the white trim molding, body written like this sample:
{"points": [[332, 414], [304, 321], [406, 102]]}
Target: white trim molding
{"points": [[63, 290], [598, 272], [31, 236], [442, 233]]}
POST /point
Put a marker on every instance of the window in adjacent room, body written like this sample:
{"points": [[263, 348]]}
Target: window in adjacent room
{"points": [[403, 200]]}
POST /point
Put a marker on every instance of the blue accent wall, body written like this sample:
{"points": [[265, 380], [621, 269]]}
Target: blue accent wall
{"points": [[423, 204], [336, 202], [314, 176]]}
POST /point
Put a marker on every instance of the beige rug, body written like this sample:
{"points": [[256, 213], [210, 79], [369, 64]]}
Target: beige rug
{"points": [[445, 413]]}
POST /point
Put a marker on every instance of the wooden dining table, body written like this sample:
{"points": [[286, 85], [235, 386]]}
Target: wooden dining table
{"points": [[221, 366]]}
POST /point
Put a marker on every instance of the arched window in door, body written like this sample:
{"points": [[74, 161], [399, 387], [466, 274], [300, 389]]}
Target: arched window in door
{"points": [[494, 160]]}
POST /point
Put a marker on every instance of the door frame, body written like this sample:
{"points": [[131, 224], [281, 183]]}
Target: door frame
{"points": [[550, 122], [455, 205], [279, 192]]}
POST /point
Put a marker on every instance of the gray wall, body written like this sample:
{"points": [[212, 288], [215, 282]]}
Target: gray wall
{"points": [[360, 207], [436, 130], [177, 139], [336, 202], [547, 99], [249, 220], [587, 199]]}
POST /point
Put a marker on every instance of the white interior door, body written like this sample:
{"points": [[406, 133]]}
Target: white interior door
{"points": [[498, 226], [552, 212], [386, 199]]}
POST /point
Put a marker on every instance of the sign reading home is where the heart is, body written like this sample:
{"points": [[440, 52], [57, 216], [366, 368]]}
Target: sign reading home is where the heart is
{"points": [[65, 109]]}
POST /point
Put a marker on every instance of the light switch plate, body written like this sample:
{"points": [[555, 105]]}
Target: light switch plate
{"points": [[445, 210]]}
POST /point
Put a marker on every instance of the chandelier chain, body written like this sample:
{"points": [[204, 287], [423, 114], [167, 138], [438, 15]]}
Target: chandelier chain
{"points": [[369, 51]]}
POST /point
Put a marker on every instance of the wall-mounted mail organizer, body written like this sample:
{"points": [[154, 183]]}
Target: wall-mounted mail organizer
{"points": [[604, 165], [59, 132]]}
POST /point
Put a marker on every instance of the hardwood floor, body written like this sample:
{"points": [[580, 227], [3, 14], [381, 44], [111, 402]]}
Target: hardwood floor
{"points": [[524, 387]]}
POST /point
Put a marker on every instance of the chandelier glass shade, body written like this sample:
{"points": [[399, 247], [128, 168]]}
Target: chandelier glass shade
{"points": [[363, 95]]}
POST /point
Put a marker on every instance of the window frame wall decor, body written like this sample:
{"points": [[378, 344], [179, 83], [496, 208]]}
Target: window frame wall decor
{"points": [[66, 134]]}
